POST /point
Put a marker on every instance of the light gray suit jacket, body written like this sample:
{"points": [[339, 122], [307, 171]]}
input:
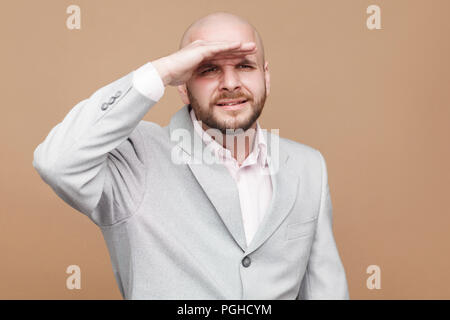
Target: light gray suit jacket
{"points": [[174, 230]]}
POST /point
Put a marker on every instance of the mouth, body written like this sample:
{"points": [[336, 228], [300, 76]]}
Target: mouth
{"points": [[232, 104]]}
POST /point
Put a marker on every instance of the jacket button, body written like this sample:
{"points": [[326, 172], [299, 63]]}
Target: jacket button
{"points": [[246, 262], [105, 106], [118, 93], [111, 100]]}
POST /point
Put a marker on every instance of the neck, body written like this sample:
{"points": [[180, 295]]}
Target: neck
{"points": [[239, 143]]}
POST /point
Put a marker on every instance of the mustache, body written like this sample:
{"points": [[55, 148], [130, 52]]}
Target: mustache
{"points": [[240, 96]]}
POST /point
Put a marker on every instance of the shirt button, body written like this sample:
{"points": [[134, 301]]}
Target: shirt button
{"points": [[104, 106], [246, 262]]}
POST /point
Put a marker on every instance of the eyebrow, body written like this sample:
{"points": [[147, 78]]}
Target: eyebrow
{"points": [[210, 64], [247, 61]]}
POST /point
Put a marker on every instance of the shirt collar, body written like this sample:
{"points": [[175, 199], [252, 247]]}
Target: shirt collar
{"points": [[259, 151]]}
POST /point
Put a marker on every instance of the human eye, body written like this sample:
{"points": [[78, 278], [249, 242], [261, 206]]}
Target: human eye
{"points": [[208, 70], [245, 66]]}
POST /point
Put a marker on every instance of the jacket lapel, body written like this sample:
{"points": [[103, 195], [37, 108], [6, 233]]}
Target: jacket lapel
{"points": [[285, 184], [215, 180], [221, 189]]}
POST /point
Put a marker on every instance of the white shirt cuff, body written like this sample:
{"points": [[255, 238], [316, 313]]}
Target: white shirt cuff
{"points": [[148, 82]]}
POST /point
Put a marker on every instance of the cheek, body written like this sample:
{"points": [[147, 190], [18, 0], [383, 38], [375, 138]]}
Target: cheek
{"points": [[255, 85], [203, 90]]}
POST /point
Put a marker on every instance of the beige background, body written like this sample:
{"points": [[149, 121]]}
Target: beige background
{"points": [[376, 103]]}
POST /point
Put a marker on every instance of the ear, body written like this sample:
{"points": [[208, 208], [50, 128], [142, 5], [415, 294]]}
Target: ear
{"points": [[183, 93], [267, 77]]}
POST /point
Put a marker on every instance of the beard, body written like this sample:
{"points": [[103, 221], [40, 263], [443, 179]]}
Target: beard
{"points": [[210, 116]]}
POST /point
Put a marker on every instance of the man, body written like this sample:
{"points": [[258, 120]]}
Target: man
{"points": [[255, 223]]}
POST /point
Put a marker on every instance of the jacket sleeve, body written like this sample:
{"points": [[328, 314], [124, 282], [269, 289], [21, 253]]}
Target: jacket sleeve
{"points": [[324, 278], [95, 158]]}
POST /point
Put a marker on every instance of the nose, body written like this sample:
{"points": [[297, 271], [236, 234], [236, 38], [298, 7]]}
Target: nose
{"points": [[230, 80]]}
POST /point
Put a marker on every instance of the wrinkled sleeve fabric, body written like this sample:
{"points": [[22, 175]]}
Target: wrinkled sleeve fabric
{"points": [[94, 159]]}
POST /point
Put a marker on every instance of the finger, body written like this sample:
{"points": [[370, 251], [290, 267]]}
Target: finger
{"points": [[248, 45], [231, 46], [221, 45], [233, 54], [225, 44], [240, 49], [234, 48], [229, 54], [244, 47]]}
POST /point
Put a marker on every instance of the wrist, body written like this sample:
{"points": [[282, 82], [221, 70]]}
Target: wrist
{"points": [[161, 67]]}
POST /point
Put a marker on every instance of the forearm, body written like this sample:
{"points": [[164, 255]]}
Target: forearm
{"points": [[72, 158]]}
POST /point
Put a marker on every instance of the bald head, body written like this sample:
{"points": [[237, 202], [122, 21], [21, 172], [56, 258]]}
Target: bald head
{"points": [[223, 26]]}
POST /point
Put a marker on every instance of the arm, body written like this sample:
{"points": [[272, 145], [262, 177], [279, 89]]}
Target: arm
{"points": [[325, 276], [94, 158]]}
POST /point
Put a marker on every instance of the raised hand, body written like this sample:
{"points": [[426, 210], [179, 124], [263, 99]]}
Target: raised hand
{"points": [[178, 67]]}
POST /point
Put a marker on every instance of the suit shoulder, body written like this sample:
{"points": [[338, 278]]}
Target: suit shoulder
{"points": [[308, 161], [148, 126], [145, 134], [151, 131], [153, 136]]}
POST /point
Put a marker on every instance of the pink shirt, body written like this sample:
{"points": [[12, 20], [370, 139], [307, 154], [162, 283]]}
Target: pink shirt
{"points": [[252, 177]]}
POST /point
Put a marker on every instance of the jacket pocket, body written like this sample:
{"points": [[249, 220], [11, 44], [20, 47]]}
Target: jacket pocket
{"points": [[301, 229]]}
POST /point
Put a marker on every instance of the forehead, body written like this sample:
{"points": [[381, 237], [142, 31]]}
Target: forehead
{"points": [[223, 31], [226, 31]]}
